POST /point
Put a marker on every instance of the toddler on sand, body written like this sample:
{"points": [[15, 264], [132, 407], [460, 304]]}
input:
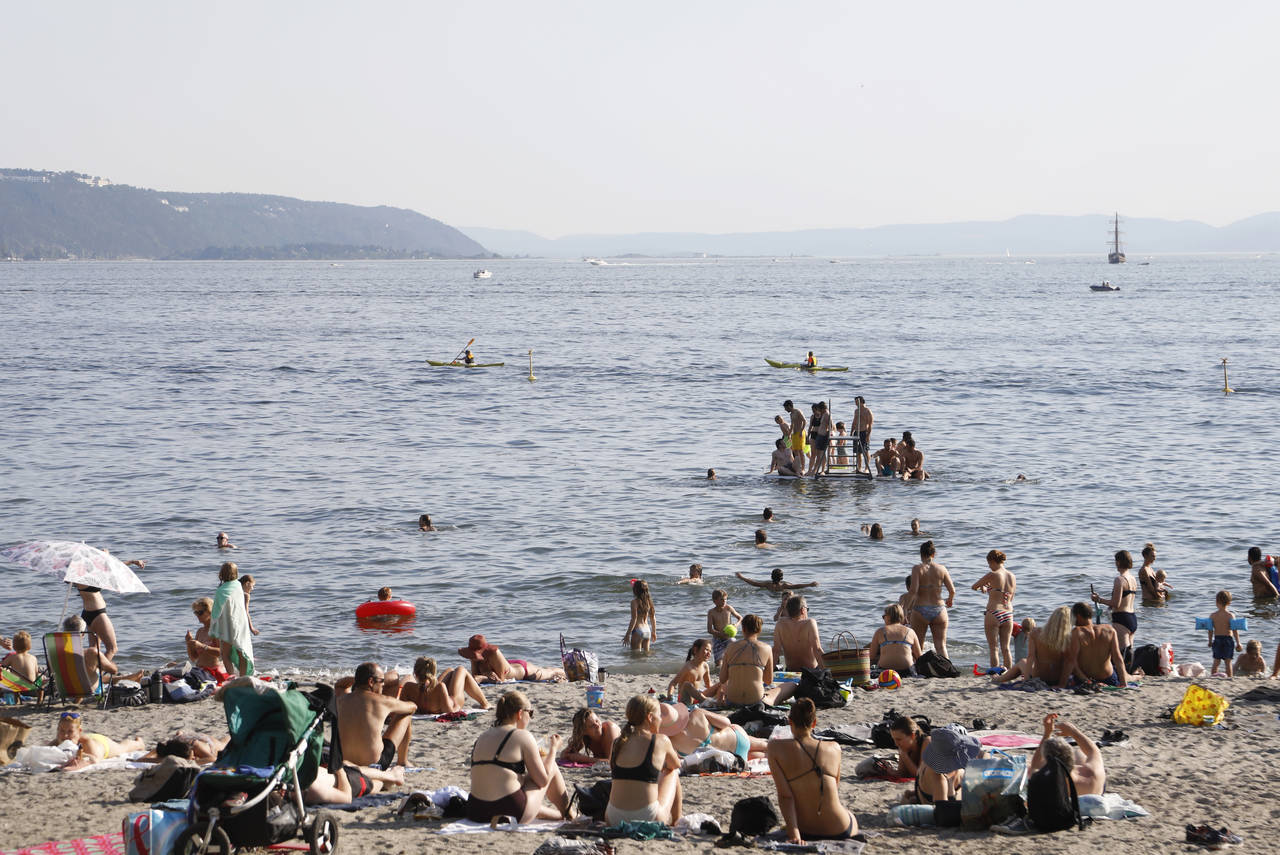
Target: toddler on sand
{"points": [[1222, 638]]}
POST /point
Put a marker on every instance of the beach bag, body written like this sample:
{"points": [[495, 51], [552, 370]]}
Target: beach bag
{"points": [[127, 693], [171, 778], [930, 664], [819, 686], [593, 798], [758, 717], [848, 661], [1052, 801], [994, 789], [1199, 706], [753, 816], [579, 664], [13, 734], [154, 831]]}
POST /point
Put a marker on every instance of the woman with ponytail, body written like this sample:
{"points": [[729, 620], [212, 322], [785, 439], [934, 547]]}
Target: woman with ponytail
{"points": [[646, 769], [807, 775]]}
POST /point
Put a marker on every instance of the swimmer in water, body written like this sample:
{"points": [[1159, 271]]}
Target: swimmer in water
{"points": [[915, 527], [775, 582], [224, 542], [424, 523], [695, 576], [762, 540], [711, 474]]}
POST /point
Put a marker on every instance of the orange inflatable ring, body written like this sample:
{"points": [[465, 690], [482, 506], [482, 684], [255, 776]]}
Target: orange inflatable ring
{"points": [[385, 608]]}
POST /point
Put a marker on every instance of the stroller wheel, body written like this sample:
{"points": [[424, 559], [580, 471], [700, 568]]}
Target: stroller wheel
{"points": [[191, 842], [322, 833]]}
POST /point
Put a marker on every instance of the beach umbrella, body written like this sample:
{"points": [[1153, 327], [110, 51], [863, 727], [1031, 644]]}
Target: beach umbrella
{"points": [[76, 564]]}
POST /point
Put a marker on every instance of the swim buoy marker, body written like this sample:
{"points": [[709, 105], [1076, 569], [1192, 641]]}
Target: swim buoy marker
{"points": [[531, 377], [386, 608], [1226, 389]]}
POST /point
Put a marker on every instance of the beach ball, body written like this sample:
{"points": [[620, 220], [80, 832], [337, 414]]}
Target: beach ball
{"points": [[889, 679], [730, 631]]}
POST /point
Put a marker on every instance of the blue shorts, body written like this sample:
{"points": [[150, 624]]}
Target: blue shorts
{"points": [[1224, 647]]}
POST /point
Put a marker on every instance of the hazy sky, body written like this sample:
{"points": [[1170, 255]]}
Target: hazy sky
{"points": [[604, 116]]}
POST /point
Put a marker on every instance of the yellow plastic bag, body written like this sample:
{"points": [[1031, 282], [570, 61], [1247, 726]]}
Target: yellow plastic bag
{"points": [[1200, 706]]}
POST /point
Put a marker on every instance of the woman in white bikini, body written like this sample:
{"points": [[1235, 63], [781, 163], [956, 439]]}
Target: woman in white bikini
{"points": [[643, 628], [1000, 586], [928, 609]]}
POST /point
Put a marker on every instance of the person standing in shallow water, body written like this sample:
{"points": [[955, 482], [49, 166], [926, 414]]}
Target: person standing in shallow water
{"points": [[1000, 586], [642, 631], [928, 609]]}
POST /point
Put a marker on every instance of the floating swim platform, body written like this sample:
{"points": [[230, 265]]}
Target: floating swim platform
{"points": [[465, 365], [800, 366]]}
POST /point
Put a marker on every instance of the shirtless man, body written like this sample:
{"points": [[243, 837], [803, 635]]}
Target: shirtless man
{"points": [[797, 435], [782, 462], [1088, 773], [887, 462], [863, 419], [374, 728], [796, 638], [912, 461], [1259, 575], [775, 582], [1093, 652]]}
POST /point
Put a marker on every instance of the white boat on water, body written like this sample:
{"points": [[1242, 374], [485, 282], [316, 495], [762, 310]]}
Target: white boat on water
{"points": [[482, 274], [598, 262]]}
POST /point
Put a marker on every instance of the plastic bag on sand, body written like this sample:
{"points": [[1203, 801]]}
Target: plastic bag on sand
{"points": [[710, 760], [46, 758], [698, 823]]}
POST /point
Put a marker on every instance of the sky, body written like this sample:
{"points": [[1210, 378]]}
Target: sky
{"points": [[605, 117]]}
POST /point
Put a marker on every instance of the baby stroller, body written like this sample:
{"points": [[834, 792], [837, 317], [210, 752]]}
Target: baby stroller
{"points": [[253, 795]]}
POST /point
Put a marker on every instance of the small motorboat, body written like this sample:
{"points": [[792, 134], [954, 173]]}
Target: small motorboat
{"points": [[482, 274], [1105, 286]]}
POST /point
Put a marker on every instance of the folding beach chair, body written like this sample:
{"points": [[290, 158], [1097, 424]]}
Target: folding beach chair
{"points": [[64, 653], [16, 688]]}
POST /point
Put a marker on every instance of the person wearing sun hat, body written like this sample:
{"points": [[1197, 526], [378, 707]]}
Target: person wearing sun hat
{"points": [[488, 665], [942, 764]]}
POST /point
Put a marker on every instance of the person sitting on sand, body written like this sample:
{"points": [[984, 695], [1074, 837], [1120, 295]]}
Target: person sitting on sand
{"points": [[796, 638], [202, 650], [374, 727], [942, 763], [693, 729], [95, 660], [806, 773], [425, 524], [782, 460], [90, 747], [999, 585], [694, 577], [488, 665], [21, 661], [928, 608], [895, 645], [910, 741], [447, 693], [1093, 652], [1046, 651], [592, 738], [762, 539], [509, 776], [747, 665], [197, 747], [775, 582], [224, 542], [1084, 761], [1262, 575], [696, 669], [645, 769], [350, 783], [1250, 663]]}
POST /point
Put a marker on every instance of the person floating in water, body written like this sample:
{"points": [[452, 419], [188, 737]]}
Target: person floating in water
{"points": [[775, 582]]}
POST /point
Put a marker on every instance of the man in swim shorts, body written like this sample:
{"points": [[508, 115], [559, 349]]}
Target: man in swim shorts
{"points": [[798, 445], [1093, 653], [373, 727], [886, 459], [863, 419], [782, 460], [912, 461]]}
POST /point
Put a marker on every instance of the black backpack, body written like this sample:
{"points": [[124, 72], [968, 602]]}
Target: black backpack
{"points": [[593, 798], [930, 664], [819, 686], [1052, 802]]}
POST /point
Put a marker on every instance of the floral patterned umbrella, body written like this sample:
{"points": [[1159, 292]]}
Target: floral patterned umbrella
{"points": [[76, 563]]}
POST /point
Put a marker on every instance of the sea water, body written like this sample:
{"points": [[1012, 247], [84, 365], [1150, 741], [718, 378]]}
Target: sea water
{"points": [[146, 406]]}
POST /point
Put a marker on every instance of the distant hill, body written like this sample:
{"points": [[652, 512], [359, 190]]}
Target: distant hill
{"points": [[1030, 234], [67, 214]]}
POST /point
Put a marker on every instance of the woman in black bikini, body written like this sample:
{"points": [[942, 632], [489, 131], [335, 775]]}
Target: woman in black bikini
{"points": [[807, 775], [1123, 593], [646, 769], [95, 618], [508, 775]]}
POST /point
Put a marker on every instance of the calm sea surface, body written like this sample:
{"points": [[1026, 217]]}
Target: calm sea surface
{"points": [[145, 406]]}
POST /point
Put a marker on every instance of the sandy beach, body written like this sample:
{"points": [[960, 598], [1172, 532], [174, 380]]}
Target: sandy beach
{"points": [[1181, 774]]}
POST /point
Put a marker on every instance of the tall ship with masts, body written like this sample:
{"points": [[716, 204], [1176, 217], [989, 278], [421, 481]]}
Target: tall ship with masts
{"points": [[1116, 255]]}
